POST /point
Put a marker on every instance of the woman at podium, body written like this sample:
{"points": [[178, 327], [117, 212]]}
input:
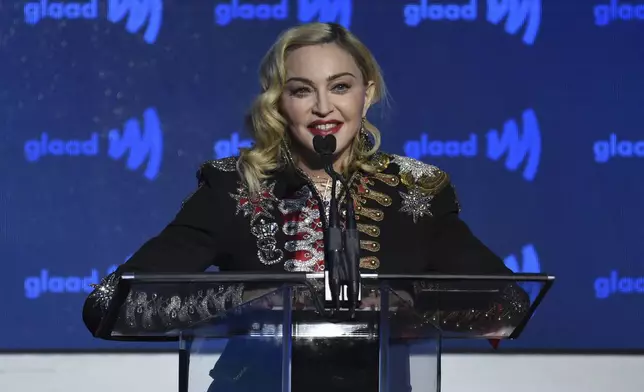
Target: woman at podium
{"points": [[267, 210]]}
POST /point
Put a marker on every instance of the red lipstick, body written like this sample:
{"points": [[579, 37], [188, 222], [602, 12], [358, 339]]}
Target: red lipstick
{"points": [[323, 128]]}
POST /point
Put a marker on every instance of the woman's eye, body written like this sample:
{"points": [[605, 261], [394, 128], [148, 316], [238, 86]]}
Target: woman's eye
{"points": [[342, 87], [300, 92]]}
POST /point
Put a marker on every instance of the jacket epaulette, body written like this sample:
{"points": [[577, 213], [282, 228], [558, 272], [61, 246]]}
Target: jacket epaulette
{"points": [[419, 175], [227, 164]]}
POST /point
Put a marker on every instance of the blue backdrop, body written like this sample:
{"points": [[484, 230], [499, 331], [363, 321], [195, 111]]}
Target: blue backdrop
{"points": [[107, 107]]}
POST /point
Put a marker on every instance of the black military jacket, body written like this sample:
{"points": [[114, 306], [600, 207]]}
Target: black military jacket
{"points": [[408, 218]]}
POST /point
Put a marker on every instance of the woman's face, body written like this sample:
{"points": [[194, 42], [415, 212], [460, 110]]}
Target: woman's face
{"points": [[324, 94]]}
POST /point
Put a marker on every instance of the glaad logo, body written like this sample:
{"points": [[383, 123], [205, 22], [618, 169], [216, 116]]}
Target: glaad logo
{"points": [[529, 264], [226, 148], [36, 286], [415, 13], [520, 148], [226, 13], [607, 13], [338, 11], [517, 14], [615, 284], [136, 11], [148, 145], [35, 12], [606, 149]]}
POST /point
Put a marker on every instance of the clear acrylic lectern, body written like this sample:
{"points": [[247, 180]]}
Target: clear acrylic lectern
{"points": [[264, 322]]}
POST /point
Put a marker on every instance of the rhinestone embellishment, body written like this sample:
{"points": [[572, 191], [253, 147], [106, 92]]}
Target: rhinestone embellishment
{"points": [[416, 203], [414, 167], [228, 164]]}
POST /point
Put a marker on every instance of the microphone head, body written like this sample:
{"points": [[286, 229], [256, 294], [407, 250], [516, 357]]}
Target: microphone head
{"points": [[324, 145]]}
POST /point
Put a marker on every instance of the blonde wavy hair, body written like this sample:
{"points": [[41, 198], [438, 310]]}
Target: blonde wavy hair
{"points": [[266, 124]]}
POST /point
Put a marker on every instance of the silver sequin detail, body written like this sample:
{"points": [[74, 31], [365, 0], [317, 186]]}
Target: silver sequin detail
{"points": [[517, 299], [268, 252], [417, 168], [228, 164], [149, 310], [304, 227], [259, 207], [255, 206], [104, 291], [510, 306], [416, 203]]}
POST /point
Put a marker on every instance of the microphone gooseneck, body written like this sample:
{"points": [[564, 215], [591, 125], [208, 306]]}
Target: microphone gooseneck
{"points": [[333, 239], [343, 252], [352, 252]]}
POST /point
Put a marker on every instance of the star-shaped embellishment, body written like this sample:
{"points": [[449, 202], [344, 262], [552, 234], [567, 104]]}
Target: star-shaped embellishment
{"points": [[415, 167], [104, 291], [258, 205], [416, 203]]}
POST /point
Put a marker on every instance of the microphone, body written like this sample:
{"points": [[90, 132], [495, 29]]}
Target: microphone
{"points": [[325, 147], [349, 271]]}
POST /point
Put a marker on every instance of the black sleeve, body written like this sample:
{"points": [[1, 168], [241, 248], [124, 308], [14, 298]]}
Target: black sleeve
{"points": [[456, 250], [187, 244]]}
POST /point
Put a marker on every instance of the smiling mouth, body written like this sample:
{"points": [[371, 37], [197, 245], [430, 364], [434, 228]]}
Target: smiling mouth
{"points": [[324, 129]]}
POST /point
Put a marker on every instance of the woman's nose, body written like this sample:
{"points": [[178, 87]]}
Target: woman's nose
{"points": [[323, 106]]}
